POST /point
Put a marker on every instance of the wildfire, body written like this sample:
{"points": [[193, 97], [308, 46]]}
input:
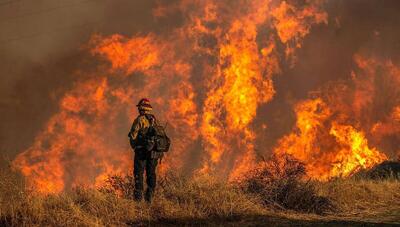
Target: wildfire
{"points": [[355, 153], [207, 80], [330, 135], [328, 148]]}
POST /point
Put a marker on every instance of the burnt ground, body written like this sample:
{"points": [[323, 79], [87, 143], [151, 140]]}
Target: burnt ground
{"points": [[245, 221], [385, 170], [263, 220]]}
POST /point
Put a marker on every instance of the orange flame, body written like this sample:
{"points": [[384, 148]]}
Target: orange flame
{"points": [[332, 130], [208, 79], [355, 153]]}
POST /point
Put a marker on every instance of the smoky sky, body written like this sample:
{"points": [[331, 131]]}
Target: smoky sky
{"points": [[354, 26], [42, 45]]}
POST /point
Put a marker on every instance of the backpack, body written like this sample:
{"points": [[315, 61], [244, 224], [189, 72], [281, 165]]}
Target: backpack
{"points": [[155, 138]]}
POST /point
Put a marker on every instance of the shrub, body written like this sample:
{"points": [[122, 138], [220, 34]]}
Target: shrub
{"points": [[279, 182], [121, 185]]}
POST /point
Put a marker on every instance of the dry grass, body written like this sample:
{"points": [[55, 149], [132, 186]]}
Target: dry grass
{"points": [[178, 199], [202, 199], [364, 199]]}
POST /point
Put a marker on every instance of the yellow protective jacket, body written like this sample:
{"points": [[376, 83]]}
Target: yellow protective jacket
{"points": [[140, 123]]}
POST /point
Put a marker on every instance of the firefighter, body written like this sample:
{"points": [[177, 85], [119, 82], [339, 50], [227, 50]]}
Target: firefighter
{"points": [[145, 159]]}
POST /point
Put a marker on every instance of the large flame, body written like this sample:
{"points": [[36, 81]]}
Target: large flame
{"points": [[206, 80], [330, 135]]}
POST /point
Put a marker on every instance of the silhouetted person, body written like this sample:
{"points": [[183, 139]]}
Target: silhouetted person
{"points": [[146, 157]]}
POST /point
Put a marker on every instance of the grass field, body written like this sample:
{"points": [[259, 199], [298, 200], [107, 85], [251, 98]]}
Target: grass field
{"points": [[203, 200]]}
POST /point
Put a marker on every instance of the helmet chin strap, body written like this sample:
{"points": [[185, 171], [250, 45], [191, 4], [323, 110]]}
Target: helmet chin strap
{"points": [[141, 111]]}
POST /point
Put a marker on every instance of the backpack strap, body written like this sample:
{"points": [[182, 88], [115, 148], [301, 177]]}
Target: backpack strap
{"points": [[151, 119]]}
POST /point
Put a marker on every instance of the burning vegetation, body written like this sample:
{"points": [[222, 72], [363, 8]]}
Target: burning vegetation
{"points": [[208, 79]]}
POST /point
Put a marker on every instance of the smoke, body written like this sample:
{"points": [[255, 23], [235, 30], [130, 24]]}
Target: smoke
{"points": [[354, 27], [41, 48], [50, 54]]}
